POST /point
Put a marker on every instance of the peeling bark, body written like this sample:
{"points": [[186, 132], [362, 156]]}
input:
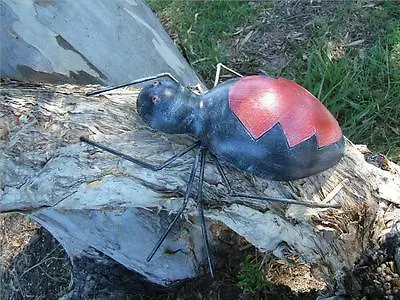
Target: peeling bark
{"points": [[90, 199]]}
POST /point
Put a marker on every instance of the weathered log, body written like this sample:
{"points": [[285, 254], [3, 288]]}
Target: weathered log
{"points": [[89, 199], [85, 42]]}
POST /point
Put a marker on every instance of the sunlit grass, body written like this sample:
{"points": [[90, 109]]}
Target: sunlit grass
{"points": [[360, 83], [201, 26], [251, 277], [362, 91]]}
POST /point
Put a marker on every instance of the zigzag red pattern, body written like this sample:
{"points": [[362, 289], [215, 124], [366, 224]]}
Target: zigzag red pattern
{"points": [[260, 102]]}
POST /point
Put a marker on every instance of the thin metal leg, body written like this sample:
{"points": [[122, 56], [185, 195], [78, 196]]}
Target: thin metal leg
{"points": [[203, 152], [222, 174], [140, 80], [263, 72], [270, 199], [290, 201], [217, 74], [184, 204], [139, 162]]}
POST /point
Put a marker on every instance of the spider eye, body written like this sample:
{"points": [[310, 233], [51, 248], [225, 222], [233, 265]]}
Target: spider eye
{"points": [[154, 98], [156, 83]]}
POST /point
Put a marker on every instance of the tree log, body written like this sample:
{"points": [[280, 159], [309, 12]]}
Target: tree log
{"points": [[70, 41], [89, 199]]}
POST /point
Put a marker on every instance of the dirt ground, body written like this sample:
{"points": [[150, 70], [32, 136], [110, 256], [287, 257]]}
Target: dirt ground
{"points": [[34, 266]]}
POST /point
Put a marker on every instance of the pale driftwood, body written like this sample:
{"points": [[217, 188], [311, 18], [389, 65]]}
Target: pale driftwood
{"points": [[89, 199]]}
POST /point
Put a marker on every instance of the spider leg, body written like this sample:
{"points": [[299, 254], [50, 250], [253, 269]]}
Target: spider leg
{"points": [[203, 152], [140, 80], [270, 199], [222, 174], [139, 162], [182, 208], [217, 74], [263, 72], [289, 201]]}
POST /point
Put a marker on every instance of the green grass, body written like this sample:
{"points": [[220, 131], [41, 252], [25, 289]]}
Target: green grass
{"points": [[363, 92], [202, 26], [359, 84], [251, 278]]}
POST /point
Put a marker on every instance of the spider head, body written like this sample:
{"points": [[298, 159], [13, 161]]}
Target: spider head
{"points": [[163, 106]]}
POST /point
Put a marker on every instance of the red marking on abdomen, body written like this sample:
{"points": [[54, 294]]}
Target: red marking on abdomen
{"points": [[260, 102]]}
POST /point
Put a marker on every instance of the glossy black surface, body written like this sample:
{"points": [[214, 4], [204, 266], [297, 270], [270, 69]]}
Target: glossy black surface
{"points": [[167, 106]]}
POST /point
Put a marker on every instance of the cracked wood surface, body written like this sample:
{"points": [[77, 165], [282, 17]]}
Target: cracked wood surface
{"points": [[89, 199]]}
